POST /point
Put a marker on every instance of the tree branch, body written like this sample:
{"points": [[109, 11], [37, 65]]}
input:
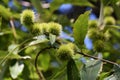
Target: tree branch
{"points": [[104, 60]]}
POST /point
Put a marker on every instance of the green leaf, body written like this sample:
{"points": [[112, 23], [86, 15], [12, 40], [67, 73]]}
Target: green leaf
{"points": [[37, 5], [72, 71], [16, 56], [103, 75], [73, 2], [44, 61], [107, 2], [39, 39], [90, 70], [80, 28], [115, 75], [16, 69], [60, 74], [3, 54], [52, 38], [30, 49], [5, 13]]}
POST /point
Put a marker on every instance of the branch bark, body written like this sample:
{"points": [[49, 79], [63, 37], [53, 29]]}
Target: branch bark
{"points": [[103, 60]]}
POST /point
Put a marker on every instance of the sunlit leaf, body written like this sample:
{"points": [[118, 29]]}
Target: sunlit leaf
{"points": [[44, 61], [16, 56], [5, 13], [3, 54], [30, 49], [80, 28], [39, 39], [52, 38], [16, 69], [36, 42]]}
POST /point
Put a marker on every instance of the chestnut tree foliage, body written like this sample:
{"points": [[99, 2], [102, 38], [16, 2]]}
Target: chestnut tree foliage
{"points": [[33, 46]]}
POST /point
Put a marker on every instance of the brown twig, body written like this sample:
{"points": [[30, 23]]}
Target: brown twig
{"points": [[36, 59], [13, 28], [104, 60]]}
